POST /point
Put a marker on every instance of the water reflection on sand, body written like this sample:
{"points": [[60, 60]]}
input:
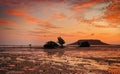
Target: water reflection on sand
{"points": [[91, 60]]}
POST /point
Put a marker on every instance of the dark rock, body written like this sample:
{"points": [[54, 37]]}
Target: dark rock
{"points": [[50, 45]]}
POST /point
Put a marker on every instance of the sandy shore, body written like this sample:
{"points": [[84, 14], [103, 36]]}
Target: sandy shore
{"points": [[69, 60]]}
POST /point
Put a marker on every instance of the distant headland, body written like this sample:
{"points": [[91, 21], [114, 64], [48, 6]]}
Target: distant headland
{"points": [[91, 42]]}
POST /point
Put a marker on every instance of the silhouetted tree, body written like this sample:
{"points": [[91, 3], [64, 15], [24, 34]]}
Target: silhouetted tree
{"points": [[84, 44], [50, 45], [61, 41]]}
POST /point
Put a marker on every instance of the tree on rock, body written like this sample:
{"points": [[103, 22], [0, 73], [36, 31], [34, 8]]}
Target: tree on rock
{"points": [[84, 44], [61, 41], [50, 45]]}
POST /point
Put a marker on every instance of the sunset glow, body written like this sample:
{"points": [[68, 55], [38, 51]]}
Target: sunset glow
{"points": [[38, 21]]}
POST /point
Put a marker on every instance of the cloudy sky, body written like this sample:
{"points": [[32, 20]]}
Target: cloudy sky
{"points": [[38, 21]]}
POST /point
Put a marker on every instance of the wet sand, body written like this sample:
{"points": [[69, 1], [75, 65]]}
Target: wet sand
{"points": [[69, 60]]}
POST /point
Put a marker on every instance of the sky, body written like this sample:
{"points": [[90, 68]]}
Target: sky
{"points": [[38, 21]]}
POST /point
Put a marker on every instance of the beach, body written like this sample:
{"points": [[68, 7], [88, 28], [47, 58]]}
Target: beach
{"points": [[68, 60]]}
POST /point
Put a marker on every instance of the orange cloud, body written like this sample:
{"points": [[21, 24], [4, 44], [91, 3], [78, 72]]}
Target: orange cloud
{"points": [[113, 12], [77, 6], [39, 32], [85, 5], [110, 18], [30, 19], [17, 13], [100, 26], [25, 3], [43, 23], [7, 22], [58, 16], [11, 2]]}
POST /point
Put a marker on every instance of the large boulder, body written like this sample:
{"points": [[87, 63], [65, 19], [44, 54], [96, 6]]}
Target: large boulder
{"points": [[50, 45]]}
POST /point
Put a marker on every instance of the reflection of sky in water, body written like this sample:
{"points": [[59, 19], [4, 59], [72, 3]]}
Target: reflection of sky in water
{"points": [[89, 60]]}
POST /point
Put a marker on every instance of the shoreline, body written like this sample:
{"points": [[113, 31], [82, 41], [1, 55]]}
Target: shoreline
{"points": [[41, 47]]}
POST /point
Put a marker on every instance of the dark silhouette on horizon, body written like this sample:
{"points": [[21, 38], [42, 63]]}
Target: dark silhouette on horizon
{"points": [[61, 41], [91, 42], [30, 45], [50, 45], [84, 44]]}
